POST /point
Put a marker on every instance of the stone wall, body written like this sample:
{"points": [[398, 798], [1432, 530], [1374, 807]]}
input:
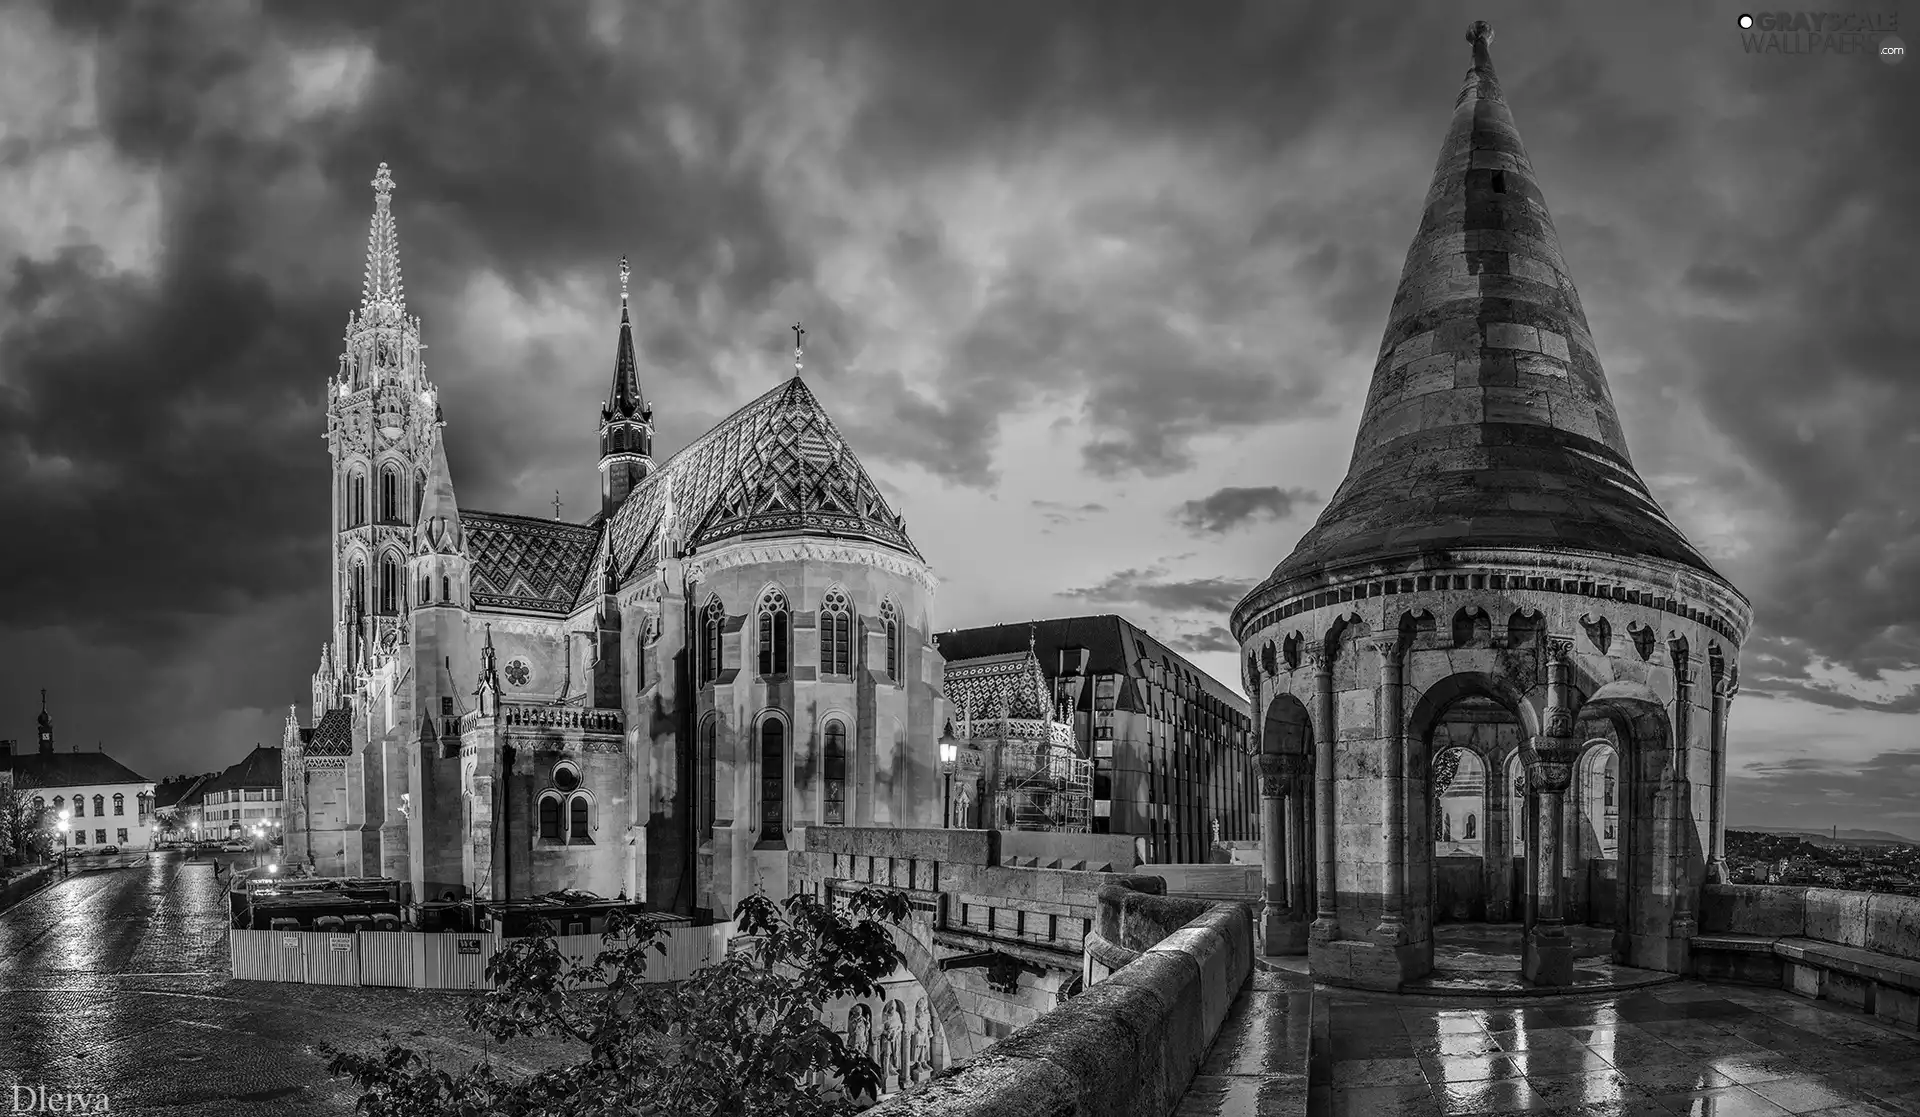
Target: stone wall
{"points": [[1859, 948], [1128, 1045]]}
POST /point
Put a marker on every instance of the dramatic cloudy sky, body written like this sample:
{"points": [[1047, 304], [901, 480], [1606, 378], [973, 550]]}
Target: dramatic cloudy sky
{"points": [[1093, 287]]}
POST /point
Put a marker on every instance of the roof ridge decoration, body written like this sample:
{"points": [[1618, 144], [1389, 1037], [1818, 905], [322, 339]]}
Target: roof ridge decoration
{"points": [[761, 471], [1488, 422]]}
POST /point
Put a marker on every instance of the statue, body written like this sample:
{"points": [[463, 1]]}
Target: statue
{"points": [[922, 1042], [893, 1033]]}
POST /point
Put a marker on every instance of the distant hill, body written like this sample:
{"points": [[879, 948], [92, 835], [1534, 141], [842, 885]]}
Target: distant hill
{"points": [[1828, 837]]}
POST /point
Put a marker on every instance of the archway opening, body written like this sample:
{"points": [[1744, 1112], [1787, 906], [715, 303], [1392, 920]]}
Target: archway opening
{"points": [[1287, 825], [1457, 781], [1466, 825]]}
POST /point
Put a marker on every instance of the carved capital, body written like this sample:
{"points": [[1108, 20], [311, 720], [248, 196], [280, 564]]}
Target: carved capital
{"points": [[1280, 770], [1559, 722], [1728, 684], [1318, 658], [1549, 761], [1386, 647], [1559, 651]]}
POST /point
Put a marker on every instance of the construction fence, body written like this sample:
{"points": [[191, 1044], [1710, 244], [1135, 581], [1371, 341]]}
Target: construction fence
{"points": [[420, 960]]}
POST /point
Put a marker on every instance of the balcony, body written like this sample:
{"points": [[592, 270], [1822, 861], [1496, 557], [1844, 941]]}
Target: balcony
{"points": [[540, 715]]}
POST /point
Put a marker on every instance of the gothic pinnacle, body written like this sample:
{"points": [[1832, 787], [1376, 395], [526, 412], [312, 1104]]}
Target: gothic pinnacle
{"points": [[382, 287]]}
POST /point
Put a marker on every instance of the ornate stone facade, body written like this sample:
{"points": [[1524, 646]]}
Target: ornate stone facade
{"points": [[653, 703], [1492, 574]]}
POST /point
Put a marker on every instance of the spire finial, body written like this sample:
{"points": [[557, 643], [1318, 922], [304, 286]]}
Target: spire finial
{"points": [[624, 273], [799, 346], [43, 700], [1480, 34], [382, 287], [556, 504]]}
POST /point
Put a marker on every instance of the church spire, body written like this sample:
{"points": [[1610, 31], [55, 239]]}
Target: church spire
{"points": [[799, 347], [382, 290], [625, 399], [438, 531], [1489, 423], [626, 422]]}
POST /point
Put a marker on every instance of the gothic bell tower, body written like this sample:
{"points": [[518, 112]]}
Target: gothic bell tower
{"points": [[626, 421], [381, 420]]}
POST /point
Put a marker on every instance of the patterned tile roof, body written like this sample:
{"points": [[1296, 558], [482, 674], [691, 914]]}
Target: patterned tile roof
{"points": [[999, 686], [776, 466], [334, 735], [522, 562]]}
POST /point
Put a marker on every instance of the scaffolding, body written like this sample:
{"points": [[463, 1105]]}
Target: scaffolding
{"points": [[1045, 785]]}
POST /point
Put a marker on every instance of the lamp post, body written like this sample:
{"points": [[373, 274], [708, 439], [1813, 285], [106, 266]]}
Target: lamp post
{"points": [[66, 824], [949, 751]]}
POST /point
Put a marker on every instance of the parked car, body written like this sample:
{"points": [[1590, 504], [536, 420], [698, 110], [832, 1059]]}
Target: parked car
{"points": [[235, 847], [105, 851]]}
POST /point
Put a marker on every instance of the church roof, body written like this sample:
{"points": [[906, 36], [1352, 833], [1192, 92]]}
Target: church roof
{"points": [[1010, 685], [777, 466], [68, 769], [523, 562], [333, 736], [1489, 423]]}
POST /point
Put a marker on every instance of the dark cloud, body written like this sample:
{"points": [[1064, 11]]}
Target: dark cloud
{"points": [[1230, 508], [1212, 639], [1153, 589]]}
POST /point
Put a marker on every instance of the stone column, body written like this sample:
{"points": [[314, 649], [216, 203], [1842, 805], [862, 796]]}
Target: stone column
{"points": [[1496, 853], [1326, 924], [1393, 748], [1283, 923], [1274, 843], [1684, 828], [1300, 771], [1548, 956], [1725, 686]]}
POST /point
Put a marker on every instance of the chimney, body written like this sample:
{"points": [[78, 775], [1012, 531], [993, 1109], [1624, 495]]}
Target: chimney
{"points": [[6, 750]]}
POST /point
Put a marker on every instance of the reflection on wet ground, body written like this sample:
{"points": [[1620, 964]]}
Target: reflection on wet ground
{"points": [[114, 982], [1484, 958], [1682, 1048]]}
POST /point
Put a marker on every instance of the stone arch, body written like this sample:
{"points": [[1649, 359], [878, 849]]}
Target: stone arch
{"points": [[1425, 711], [1418, 626], [1653, 817], [1286, 727], [1290, 651], [916, 959], [1485, 890]]}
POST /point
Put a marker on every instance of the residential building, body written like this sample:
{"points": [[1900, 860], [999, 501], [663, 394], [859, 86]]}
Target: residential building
{"points": [[249, 793], [107, 803], [1169, 743]]}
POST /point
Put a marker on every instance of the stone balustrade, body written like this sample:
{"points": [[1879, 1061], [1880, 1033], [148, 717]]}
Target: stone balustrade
{"points": [[562, 717], [1130, 1044], [1858, 948]]}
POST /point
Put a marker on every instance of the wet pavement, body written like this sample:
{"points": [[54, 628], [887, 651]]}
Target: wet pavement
{"points": [[1479, 959], [115, 981], [1683, 1048], [1257, 1065]]}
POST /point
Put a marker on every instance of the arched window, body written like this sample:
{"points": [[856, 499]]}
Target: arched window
{"points": [[890, 617], [640, 662], [549, 819], [389, 586], [834, 811], [119, 803], [59, 801], [390, 494], [357, 593], [578, 831], [836, 635], [446, 588], [773, 633], [710, 625], [426, 588], [709, 732], [1472, 828], [39, 804], [99, 806], [357, 499], [79, 806], [773, 781]]}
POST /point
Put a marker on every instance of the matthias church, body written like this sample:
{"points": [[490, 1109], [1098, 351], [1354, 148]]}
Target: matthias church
{"points": [[654, 703]]}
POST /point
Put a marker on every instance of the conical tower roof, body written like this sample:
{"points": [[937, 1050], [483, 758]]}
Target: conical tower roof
{"points": [[438, 529], [1489, 424]]}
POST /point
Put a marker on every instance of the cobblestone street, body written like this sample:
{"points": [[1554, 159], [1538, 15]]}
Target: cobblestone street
{"points": [[115, 982]]}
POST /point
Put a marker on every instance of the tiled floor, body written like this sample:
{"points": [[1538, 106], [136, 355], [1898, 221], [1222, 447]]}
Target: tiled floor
{"points": [[1484, 958], [1684, 1048]]}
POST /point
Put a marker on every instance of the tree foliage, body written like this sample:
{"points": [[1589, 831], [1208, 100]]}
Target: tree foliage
{"points": [[745, 1035], [26, 834]]}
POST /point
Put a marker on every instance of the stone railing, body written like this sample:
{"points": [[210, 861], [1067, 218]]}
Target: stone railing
{"points": [[1859, 948], [562, 717], [1130, 1044]]}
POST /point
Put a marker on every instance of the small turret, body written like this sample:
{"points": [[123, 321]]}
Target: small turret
{"points": [[46, 725], [626, 420]]}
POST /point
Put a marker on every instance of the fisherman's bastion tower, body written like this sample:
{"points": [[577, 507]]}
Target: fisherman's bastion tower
{"points": [[1491, 596]]}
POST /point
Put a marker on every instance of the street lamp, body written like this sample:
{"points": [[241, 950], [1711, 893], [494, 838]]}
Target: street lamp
{"points": [[949, 752], [66, 824]]}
